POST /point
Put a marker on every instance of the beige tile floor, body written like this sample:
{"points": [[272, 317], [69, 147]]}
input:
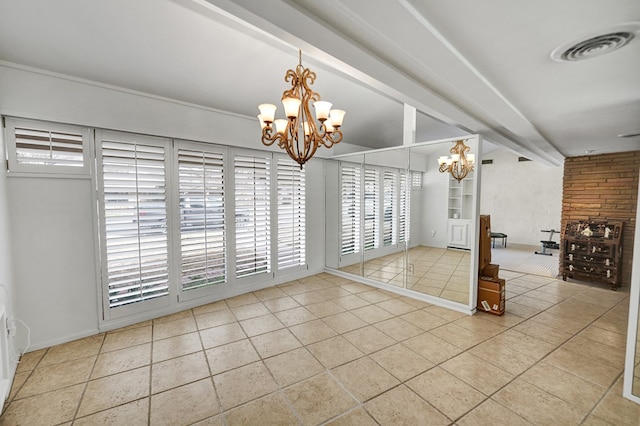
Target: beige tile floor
{"points": [[326, 350], [435, 271]]}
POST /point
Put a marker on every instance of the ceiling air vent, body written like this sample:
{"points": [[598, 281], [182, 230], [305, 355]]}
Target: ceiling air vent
{"points": [[629, 135], [487, 161], [523, 159], [595, 45]]}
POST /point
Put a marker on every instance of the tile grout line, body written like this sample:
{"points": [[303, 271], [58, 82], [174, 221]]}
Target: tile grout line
{"points": [[539, 361], [204, 353]]}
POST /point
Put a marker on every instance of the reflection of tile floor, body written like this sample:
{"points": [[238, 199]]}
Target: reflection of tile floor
{"points": [[328, 350], [436, 271]]}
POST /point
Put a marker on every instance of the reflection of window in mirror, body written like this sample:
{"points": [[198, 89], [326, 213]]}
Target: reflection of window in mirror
{"points": [[393, 219]]}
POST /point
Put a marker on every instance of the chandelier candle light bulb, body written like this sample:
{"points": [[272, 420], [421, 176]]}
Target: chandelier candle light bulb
{"points": [[323, 109], [300, 134], [281, 125], [291, 107], [267, 112], [337, 115]]}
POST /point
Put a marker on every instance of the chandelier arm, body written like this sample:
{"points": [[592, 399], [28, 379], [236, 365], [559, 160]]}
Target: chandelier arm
{"points": [[311, 147], [293, 77], [308, 95], [291, 141], [282, 140], [459, 173], [330, 139], [267, 138], [308, 77], [286, 143], [458, 147]]}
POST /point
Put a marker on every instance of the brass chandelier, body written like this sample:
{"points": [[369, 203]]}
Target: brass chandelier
{"points": [[300, 134], [460, 163]]}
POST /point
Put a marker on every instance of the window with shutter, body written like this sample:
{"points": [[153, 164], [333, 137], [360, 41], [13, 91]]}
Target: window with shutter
{"points": [[40, 146], [350, 215], [252, 206], [416, 179], [405, 208], [291, 214], [389, 222], [371, 209], [134, 216], [201, 186]]}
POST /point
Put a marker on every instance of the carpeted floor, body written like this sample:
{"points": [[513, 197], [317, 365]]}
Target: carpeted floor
{"points": [[522, 258]]}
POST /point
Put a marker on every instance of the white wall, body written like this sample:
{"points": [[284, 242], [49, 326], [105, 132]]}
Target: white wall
{"points": [[435, 205], [7, 287], [28, 93], [522, 198], [53, 245], [51, 218]]}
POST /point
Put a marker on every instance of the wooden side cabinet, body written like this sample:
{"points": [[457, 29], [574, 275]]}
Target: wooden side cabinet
{"points": [[593, 251]]}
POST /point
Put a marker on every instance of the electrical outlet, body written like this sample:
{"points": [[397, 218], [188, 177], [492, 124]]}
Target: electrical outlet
{"points": [[11, 328], [410, 268]]}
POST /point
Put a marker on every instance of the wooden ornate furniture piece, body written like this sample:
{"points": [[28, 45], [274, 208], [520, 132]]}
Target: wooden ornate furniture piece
{"points": [[593, 252]]}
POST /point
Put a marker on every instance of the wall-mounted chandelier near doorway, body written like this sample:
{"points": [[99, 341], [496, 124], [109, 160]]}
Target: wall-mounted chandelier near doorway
{"points": [[300, 134]]}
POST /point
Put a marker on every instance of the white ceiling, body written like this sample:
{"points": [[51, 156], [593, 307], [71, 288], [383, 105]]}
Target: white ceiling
{"points": [[467, 66]]}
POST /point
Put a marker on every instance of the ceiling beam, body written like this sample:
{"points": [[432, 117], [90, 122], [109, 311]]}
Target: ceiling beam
{"points": [[290, 23]]}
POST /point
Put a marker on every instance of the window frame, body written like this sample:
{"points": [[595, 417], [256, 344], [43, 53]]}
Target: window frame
{"points": [[304, 265], [15, 166], [404, 207], [229, 231], [355, 237], [390, 198], [111, 313], [372, 177], [248, 279], [126, 297]]}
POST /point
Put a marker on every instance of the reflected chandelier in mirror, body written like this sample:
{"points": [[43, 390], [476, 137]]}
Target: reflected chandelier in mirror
{"points": [[460, 163]]}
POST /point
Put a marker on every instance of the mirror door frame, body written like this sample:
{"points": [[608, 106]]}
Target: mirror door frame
{"points": [[633, 345], [476, 142]]}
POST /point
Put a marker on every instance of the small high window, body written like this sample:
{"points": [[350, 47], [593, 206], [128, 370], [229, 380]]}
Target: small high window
{"points": [[43, 147]]}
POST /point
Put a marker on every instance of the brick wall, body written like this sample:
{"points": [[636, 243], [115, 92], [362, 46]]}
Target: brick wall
{"points": [[604, 187]]}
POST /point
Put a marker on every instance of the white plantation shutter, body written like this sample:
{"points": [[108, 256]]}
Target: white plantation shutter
{"points": [[46, 147], [202, 213], [252, 205], [371, 209], [416, 179], [134, 214], [350, 209], [291, 214], [405, 208], [389, 227]]}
